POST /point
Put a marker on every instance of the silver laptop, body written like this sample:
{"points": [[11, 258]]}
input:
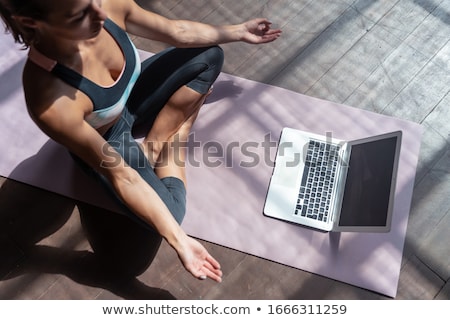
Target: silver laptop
{"points": [[333, 185]]}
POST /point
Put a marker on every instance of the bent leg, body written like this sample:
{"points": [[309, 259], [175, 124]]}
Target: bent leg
{"points": [[171, 157], [178, 113], [171, 88], [167, 72], [171, 190]]}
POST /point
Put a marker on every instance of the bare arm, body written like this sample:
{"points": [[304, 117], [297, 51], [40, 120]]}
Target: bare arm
{"points": [[184, 33], [63, 121]]}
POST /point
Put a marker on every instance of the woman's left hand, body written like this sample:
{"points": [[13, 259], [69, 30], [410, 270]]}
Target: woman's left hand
{"points": [[258, 31]]}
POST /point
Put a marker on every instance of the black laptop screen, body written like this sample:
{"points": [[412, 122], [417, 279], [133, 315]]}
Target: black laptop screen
{"points": [[368, 186]]}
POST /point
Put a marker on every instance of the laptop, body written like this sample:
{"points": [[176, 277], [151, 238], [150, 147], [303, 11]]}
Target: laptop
{"points": [[328, 184]]}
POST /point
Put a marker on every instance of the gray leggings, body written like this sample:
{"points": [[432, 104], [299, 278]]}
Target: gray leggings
{"points": [[161, 76]]}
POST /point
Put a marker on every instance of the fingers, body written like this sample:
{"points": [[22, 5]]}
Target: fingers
{"points": [[261, 31], [213, 262], [211, 269], [262, 21], [213, 274], [264, 25]]}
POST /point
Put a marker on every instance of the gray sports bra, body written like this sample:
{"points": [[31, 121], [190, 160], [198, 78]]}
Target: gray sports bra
{"points": [[108, 101]]}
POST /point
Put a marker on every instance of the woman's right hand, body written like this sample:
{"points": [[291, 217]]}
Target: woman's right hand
{"points": [[197, 260]]}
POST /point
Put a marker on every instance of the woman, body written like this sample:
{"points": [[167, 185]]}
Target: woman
{"points": [[85, 88]]}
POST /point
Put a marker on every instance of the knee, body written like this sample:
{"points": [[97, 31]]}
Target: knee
{"points": [[216, 57], [212, 59]]}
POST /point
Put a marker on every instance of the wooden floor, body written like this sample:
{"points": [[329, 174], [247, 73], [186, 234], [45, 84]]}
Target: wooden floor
{"points": [[391, 57]]}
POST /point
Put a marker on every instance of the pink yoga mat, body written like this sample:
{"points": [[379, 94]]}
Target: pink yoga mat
{"points": [[231, 152], [226, 200]]}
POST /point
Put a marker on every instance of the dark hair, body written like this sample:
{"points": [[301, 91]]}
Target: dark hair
{"points": [[36, 9]]}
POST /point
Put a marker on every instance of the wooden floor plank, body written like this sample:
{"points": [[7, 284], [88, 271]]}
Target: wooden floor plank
{"points": [[320, 52], [417, 281], [444, 294], [430, 205], [434, 250], [439, 116], [433, 147], [418, 99]]}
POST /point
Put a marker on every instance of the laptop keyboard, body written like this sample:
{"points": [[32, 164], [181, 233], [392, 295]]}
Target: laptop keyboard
{"points": [[317, 180]]}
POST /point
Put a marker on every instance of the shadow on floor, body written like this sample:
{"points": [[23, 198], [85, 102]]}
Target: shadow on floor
{"points": [[122, 250]]}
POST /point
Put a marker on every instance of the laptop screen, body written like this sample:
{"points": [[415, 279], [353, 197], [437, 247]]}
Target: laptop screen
{"points": [[368, 186]]}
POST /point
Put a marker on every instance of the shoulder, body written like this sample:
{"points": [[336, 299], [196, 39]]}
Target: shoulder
{"points": [[58, 110], [119, 10], [50, 101], [134, 18]]}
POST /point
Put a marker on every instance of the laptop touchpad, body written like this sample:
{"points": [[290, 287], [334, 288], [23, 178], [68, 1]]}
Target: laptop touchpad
{"points": [[286, 172]]}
